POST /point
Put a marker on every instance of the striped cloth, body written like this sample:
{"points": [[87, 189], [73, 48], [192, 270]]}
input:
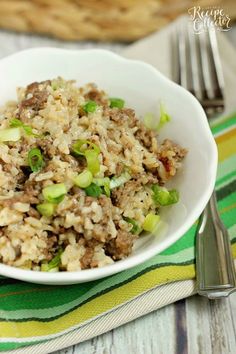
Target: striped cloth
{"points": [[31, 314]]}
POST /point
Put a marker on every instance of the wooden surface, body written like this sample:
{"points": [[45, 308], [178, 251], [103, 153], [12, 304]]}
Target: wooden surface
{"points": [[192, 326]]}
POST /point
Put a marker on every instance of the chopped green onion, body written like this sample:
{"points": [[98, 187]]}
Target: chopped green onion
{"points": [[136, 229], [54, 85], [12, 134], [15, 123], [90, 107], [93, 190], [150, 222], [93, 164], [90, 151], [53, 265], [118, 181], [150, 121], [46, 209], [164, 118], [105, 183], [45, 268], [84, 179], [80, 147], [116, 102], [174, 196], [54, 193], [35, 159], [164, 197]]}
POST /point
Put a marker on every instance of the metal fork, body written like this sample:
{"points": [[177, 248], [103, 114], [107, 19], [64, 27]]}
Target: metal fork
{"points": [[197, 67]]}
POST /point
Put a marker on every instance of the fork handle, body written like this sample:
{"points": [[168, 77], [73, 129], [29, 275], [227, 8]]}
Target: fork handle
{"points": [[214, 259]]}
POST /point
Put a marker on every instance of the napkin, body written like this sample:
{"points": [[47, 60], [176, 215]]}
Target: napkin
{"points": [[42, 319]]}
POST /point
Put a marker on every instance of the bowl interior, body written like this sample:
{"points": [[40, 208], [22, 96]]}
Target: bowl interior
{"points": [[143, 88]]}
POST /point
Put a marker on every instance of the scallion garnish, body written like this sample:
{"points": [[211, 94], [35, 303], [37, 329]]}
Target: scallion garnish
{"points": [[54, 193], [81, 146], [90, 151], [105, 183], [150, 222], [90, 107], [18, 123], [116, 102], [46, 209], [93, 190], [35, 159], [93, 164], [53, 265], [152, 123], [12, 134], [118, 181], [164, 117], [136, 229], [84, 179], [164, 197]]}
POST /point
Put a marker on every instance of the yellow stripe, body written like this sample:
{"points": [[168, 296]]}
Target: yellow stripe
{"points": [[226, 144], [99, 305]]}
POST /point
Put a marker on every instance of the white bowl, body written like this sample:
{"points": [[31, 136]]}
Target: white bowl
{"points": [[142, 87]]}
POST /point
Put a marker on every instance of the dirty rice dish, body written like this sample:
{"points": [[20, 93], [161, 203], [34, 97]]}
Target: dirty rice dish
{"points": [[80, 177]]}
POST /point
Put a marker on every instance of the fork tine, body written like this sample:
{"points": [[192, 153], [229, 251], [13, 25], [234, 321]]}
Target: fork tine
{"points": [[196, 75], [198, 67], [217, 68], [181, 48], [206, 64]]}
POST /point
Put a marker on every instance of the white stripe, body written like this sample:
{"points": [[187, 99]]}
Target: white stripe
{"points": [[222, 132]]}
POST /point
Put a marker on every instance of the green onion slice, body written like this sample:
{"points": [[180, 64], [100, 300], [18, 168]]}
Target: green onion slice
{"points": [[105, 183], [136, 229], [35, 159], [53, 265], [164, 117], [90, 107], [81, 146], [54, 193], [164, 197], [118, 181], [93, 190], [90, 151], [84, 179], [116, 102], [151, 122], [12, 134], [151, 222], [93, 164], [14, 123], [46, 209]]}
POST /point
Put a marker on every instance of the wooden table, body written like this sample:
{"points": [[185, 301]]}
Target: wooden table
{"points": [[194, 326]]}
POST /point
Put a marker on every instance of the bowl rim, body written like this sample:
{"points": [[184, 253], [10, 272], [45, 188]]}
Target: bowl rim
{"points": [[74, 277]]}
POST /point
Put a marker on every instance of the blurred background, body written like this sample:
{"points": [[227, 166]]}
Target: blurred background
{"points": [[117, 21]]}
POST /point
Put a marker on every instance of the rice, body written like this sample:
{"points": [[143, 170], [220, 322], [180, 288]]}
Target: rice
{"points": [[83, 230]]}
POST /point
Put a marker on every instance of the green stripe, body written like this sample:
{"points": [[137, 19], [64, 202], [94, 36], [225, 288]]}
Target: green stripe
{"points": [[226, 180], [105, 291], [214, 122], [227, 166], [224, 126], [227, 190], [186, 255]]}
